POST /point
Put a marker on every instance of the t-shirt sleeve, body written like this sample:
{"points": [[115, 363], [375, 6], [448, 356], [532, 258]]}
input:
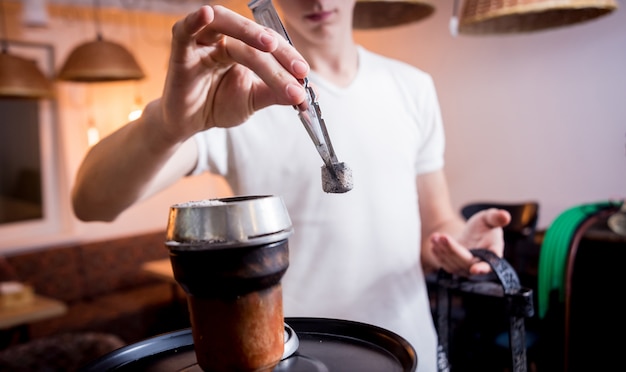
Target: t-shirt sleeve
{"points": [[430, 155], [212, 154]]}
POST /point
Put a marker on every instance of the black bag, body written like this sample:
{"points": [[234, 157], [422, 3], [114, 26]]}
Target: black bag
{"points": [[518, 300]]}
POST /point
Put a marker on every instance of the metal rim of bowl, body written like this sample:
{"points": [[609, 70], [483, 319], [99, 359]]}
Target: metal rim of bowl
{"points": [[228, 222]]}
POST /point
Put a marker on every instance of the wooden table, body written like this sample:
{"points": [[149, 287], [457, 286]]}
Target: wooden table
{"points": [[40, 308], [14, 321]]}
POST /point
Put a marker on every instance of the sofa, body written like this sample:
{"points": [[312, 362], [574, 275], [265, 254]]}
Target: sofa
{"points": [[104, 287], [66, 352]]}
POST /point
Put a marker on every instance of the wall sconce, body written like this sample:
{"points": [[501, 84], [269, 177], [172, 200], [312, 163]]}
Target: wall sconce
{"points": [[370, 14], [517, 16]]}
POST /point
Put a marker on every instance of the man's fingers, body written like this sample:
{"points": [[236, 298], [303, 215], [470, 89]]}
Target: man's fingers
{"points": [[278, 77], [185, 30], [230, 23], [209, 24], [496, 217], [261, 39], [220, 37], [452, 256], [480, 268]]}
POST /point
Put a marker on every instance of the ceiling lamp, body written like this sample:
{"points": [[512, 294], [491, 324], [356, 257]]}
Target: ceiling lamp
{"points": [[518, 16], [100, 61], [369, 14], [20, 78]]}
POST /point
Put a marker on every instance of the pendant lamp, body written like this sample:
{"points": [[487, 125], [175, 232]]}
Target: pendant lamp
{"points": [[100, 61], [371, 14], [519, 16], [20, 78]]}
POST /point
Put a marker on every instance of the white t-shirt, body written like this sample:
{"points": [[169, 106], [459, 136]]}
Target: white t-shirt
{"points": [[356, 255]]}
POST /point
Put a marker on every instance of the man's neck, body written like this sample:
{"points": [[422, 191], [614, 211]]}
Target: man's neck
{"points": [[335, 60], [339, 66]]}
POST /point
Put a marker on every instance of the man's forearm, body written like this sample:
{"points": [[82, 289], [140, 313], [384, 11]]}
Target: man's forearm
{"points": [[116, 172]]}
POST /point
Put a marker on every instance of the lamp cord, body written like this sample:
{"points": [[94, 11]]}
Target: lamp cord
{"points": [[4, 35], [96, 18]]}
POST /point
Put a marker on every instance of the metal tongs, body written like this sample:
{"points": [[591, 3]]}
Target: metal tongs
{"points": [[265, 14]]}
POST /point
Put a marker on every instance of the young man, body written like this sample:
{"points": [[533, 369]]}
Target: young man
{"points": [[227, 108]]}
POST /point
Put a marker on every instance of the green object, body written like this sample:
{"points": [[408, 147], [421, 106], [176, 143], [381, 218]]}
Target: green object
{"points": [[555, 247]]}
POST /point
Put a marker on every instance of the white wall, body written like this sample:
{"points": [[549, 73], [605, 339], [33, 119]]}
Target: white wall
{"points": [[531, 116], [536, 116], [107, 105]]}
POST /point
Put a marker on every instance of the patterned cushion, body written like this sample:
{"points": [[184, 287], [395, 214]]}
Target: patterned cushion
{"points": [[53, 272], [132, 315], [103, 285], [112, 265], [72, 273], [65, 352]]}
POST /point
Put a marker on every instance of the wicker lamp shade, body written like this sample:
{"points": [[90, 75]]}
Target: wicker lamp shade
{"points": [[100, 61], [518, 16], [370, 14], [20, 78]]}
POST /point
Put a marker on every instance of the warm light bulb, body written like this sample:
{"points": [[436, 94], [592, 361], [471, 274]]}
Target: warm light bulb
{"points": [[137, 107], [93, 135], [135, 114]]}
